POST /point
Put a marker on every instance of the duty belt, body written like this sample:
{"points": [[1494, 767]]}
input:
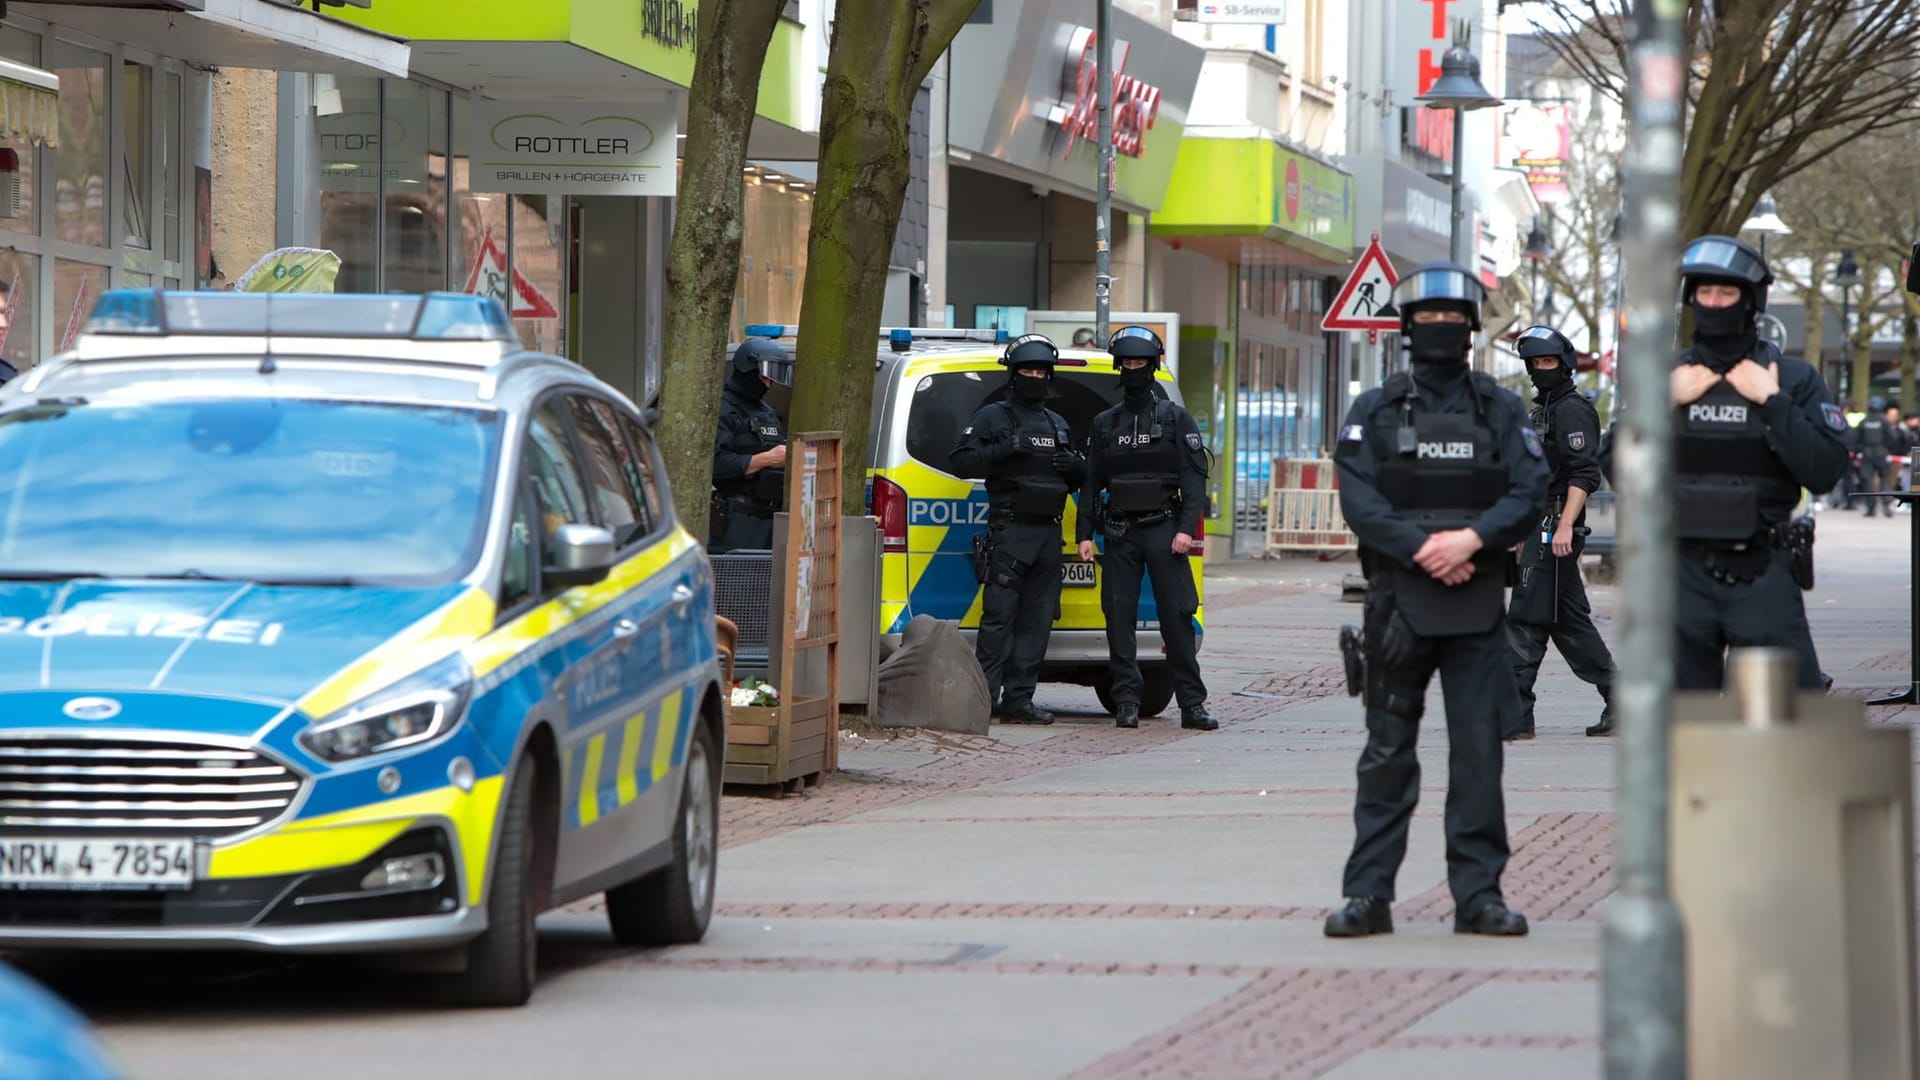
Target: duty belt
{"points": [[746, 504], [1151, 517], [1002, 517]]}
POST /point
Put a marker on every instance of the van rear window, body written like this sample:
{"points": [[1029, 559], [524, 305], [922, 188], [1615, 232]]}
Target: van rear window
{"points": [[944, 404]]}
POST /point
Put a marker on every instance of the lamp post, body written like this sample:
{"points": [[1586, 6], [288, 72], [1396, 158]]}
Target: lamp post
{"points": [[1458, 88], [1766, 221], [1537, 251], [1845, 275]]}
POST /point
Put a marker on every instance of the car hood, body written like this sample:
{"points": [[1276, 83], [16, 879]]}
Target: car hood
{"points": [[272, 644]]}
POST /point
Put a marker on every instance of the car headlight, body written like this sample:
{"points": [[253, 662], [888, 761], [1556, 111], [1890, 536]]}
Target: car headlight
{"points": [[411, 711]]}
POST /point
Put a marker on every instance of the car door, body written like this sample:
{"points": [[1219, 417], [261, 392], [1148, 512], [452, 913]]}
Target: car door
{"points": [[621, 701]]}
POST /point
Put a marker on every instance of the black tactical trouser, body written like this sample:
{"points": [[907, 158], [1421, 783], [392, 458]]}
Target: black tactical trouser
{"points": [[737, 524], [1572, 632], [1148, 550], [1018, 603], [1476, 679], [1876, 474], [1711, 616]]}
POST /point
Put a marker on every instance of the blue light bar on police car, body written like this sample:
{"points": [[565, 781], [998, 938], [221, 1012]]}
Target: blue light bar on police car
{"points": [[429, 317]]}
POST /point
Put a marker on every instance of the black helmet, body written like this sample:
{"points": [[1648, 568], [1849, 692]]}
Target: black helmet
{"points": [[1725, 260], [1877, 404], [761, 356], [1537, 341], [1440, 285], [1031, 350], [1135, 341]]}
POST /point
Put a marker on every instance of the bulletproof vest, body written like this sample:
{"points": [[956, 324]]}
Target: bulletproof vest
{"points": [[1446, 468], [1027, 482], [1873, 434], [1142, 454], [1727, 475], [761, 433]]}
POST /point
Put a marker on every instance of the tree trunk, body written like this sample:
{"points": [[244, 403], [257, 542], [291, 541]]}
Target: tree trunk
{"points": [[1909, 348], [1813, 338], [703, 263], [1860, 347], [881, 52]]}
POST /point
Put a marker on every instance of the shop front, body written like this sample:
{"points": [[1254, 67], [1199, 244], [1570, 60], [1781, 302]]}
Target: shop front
{"points": [[1250, 245], [105, 161], [532, 155], [1022, 155]]}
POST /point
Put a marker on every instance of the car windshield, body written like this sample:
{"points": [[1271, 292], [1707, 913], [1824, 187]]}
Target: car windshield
{"points": [[944, 404], [254, 489]]}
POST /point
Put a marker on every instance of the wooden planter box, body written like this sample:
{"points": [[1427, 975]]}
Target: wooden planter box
{"points": [[754, 736]]}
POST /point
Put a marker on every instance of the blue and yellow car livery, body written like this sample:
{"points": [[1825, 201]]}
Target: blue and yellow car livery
{"points": [[326, 764]]}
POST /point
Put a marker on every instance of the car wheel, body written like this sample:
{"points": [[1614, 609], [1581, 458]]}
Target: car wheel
{"points": [[1157, 692], [501, 962], [673, 905]]}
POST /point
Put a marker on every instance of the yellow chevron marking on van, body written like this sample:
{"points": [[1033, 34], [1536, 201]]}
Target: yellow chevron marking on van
{"points": [[663, 743], [590, 780], [624, 778]]}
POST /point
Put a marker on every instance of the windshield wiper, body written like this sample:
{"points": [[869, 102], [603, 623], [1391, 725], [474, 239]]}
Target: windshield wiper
{"points": [[48, 575], [341, 581]]}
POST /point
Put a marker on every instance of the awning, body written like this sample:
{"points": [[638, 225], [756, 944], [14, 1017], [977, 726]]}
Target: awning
{"points": [[29, 104], [261, 34]]}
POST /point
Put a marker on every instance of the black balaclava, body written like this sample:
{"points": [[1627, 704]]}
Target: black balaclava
{"points": [[1722, 337], [748, 383], [1137, 383], [1551, 379], [1439, 350], [1025, 388]]}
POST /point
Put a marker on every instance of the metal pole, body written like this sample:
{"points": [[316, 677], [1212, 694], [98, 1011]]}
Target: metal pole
{"points": [[1103, 210], [1459, 240], [1643, 962]]}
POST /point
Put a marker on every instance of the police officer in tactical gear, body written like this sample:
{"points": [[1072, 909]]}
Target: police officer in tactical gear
{"points": [[749, 450], [1874, 438], [1439, 476], [1025, 452], [1147, 456], [1751, 429], [1549, 599]]}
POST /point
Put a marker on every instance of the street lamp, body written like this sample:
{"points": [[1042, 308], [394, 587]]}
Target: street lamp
{"points": [[1766, 221], [1537, 251], [1458, 88], [1845, 275]]}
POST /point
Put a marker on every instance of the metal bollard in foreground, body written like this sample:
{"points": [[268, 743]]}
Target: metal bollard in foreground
{"points": [[1793, 872]]}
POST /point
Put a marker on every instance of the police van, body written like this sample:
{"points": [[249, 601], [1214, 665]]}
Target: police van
{"points": [[928, 383], [343, 624]]}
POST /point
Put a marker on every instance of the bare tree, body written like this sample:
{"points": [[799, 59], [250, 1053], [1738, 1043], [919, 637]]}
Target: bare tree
{"points": [[1773, 87], [703, 262], [882, 50], [1582, 224]]}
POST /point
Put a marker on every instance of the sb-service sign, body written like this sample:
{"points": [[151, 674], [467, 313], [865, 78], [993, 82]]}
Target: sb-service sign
{"points": [[575, 148]]}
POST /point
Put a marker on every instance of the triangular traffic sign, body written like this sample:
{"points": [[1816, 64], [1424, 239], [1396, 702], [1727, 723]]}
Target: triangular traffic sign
{"points": [[1367, 293], [489, 278]]}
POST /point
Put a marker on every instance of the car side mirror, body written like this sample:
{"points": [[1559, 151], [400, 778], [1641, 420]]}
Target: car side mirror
{"points": [[1913, 271], [578, 555]]}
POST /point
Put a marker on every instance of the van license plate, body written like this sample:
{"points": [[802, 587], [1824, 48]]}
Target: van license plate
{"points": [[95, 863], [1074, 572]]}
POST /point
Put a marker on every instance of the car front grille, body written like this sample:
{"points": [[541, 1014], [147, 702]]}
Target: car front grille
{"points": [[138, 787]]}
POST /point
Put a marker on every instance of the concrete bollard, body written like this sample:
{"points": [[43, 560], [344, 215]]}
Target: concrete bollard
{"points": [[1793, 870]]}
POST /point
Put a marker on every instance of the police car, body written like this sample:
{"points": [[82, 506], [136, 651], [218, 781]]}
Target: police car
{"points": [[928, 383], [343, 624]]}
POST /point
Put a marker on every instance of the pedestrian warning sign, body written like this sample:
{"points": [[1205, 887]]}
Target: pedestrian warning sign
{"points": [[1365, 295], [489, 278]]}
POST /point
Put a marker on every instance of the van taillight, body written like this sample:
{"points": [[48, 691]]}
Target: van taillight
{"points": [[890, 506], [1199, 540]]}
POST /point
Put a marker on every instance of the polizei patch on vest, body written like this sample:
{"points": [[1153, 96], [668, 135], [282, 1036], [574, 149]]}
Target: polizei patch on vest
{"points": [[1835, 418], [1716, 414], [1446, 451], [1576, 440]]}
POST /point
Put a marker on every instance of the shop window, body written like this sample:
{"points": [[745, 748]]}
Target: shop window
{"points": [[80, 181], [171, 173], [76, 285], [19, 279], [477, 219], [537, 233], [347, 134], [136, 156], [413, 135]]}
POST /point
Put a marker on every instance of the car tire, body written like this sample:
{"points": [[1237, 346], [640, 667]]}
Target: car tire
{"points": [[501, 962], [673, 905], [1156, 693]]}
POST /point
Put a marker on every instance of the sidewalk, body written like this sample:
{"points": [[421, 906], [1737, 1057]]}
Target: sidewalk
{"points": [[1081, 901]]}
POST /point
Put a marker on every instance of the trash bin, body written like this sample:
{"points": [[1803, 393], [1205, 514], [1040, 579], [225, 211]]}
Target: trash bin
{"points": [[1793, 870]]}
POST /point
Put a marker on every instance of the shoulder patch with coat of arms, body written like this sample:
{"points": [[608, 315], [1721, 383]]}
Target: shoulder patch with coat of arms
{"points": [[1576, 440], [1193, 441], [1835, 418], [1533, 442]]}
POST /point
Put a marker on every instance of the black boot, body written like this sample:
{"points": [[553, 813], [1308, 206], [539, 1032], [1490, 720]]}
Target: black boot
{"points": [[1196, 718], [1362, 916], [1026, 714], [1522, 734], [1492, 919], [1605, 726], [1126, 714]]}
